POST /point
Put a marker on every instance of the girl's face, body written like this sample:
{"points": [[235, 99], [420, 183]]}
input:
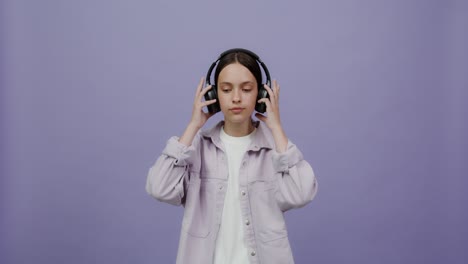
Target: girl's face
{"points": [[237, 94]]}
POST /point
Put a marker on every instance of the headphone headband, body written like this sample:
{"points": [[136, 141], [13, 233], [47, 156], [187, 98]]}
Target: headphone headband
{"points": [[248, 52], [251, 53]]}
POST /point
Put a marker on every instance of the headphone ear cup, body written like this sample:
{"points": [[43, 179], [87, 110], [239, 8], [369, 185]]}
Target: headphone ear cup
{"points": [[262, 93], [210, 95]]}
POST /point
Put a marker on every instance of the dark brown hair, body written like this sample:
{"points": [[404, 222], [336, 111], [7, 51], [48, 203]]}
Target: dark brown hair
{"points": [[244, 59]]}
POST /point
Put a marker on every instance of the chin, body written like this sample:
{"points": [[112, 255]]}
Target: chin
{"points": [[236, 119]]}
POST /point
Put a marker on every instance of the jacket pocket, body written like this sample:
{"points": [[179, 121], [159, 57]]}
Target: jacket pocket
{"points": [[199, 208], [269, 219]]}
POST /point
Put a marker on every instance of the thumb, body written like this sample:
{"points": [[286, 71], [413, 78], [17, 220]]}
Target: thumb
{"points": [[260, 117], [208, 115]]}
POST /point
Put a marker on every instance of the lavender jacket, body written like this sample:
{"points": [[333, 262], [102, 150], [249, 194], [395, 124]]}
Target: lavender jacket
{"points": [[270, 184]]}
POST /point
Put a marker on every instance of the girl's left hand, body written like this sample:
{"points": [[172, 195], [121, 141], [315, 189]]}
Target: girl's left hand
{"points": [[272, 118]]}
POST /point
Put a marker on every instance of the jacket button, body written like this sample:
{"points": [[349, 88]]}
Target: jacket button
{"points": [[220, 187], [253, 253], [243, 193], [247, 222]]}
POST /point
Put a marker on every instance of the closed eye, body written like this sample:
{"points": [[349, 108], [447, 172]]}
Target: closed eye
{"points": [[247, 87]]}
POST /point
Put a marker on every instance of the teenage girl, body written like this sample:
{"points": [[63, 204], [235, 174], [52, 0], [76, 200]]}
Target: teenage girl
{"points": [[236, 179]]}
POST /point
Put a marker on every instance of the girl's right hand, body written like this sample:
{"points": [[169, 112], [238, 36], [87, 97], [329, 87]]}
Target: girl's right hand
{"points": [[199, 117]]}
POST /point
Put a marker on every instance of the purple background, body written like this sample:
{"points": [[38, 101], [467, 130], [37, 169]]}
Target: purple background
{"points": [[373, 92]]}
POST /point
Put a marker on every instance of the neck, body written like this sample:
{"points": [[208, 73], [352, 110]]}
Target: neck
{"points": [[238, 130]]}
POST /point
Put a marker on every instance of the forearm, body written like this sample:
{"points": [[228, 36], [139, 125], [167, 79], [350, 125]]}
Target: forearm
{"points": [[189, 134], [281, 140]]}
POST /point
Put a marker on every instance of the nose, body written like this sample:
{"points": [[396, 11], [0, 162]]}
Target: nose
{"points": [[236, 96]]}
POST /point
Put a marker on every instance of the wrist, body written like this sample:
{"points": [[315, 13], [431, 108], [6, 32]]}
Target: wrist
{"points": [[277, 129], [280, 138], [188, 135], [194, 126]]}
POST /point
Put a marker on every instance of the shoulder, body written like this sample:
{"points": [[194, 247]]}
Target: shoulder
{"points": [[212, 131], [263, 137], [211, 135]]}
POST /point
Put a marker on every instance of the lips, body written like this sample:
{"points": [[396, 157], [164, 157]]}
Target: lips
{"points": [[236, 110]]}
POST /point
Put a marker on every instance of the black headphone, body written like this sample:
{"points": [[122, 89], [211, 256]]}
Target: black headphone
{"points": [[213, 93]]}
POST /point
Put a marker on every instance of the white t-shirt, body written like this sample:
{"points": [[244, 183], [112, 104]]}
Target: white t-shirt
{"points": [[230, 245]]}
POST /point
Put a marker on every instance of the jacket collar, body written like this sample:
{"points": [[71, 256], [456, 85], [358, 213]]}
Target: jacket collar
{"points": [[261, 139]]}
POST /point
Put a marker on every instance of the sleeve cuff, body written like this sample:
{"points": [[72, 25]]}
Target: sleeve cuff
{"points": [[179, 151], [285, 160]]}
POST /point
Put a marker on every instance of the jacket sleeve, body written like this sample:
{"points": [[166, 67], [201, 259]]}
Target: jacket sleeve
{"points": [[297, 185], [168, 178]]}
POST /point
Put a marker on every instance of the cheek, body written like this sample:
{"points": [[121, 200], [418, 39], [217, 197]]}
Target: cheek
{"points": [[252, 98], [223, 100]]}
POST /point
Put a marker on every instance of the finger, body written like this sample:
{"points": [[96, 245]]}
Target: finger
{"points": [[203, 92], [205, 103], [277, 90], [200, 84], [199, 87], [271, 93], [267, 102]]}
